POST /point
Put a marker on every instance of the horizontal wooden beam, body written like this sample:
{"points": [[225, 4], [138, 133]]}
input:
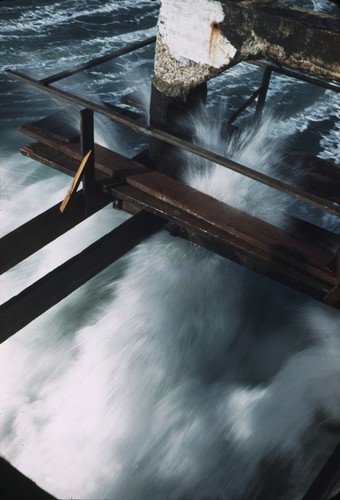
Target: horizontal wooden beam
{"points": [[98, 60], [46, 227], [299, 257], [58, 284], [311, 198], [327, 479], [16, 486], [287, 258], [197, 40]]}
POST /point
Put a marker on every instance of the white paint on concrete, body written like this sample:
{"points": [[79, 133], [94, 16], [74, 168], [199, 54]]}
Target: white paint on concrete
{"points": [[187, 27]]}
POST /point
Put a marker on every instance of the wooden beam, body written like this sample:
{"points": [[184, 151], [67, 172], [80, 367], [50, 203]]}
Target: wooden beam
{"points": [[38, 232], [98, 60], [87, 144], [285, 187], [325, 482], [75, 183], [15, 486], [196, 40], [58, 284], [290, 259]]}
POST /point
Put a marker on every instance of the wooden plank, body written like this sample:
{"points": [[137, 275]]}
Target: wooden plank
{"points": [[124, 168], [61, 125], [313, 174], [265, 237], [75, 183], [51, 158], [38, 232], [316, 246], [106, 160], [326, 480], [156, 133], [280, 266], [98, 60], [58, 284], [16, 486], [134, 99]]}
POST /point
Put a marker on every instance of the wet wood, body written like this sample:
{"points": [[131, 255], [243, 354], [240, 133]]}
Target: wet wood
{"points": [[75, 183], [239, 224], [98, 60], [15, 486], [229, 239], [58, 284], [106, 161], [314, 175], [135, 100], [325, 482], [62, 125], [41, 230], [300, 257], [275, 183]]}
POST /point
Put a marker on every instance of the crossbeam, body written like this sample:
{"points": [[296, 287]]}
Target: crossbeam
{"points": [[98, 60], [310, 198], [59, 283], [197, 40], [41, 230]]}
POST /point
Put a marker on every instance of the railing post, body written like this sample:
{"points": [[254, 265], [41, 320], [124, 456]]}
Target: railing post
{"points": [[263, 93], [87, 144]]}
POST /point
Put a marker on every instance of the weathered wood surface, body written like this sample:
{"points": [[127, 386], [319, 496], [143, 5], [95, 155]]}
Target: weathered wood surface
{"points": [[327, 479], [314, 175], [299, 267], [15, 486], [41, 230], [107, 156], [58, 284], [75, 183], [107, 161], [199, 39], [62, 125], [300, 257], [98, 60]]}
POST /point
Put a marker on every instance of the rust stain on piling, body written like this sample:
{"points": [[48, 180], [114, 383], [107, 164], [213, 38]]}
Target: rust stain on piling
{"points": [[215, 32]]}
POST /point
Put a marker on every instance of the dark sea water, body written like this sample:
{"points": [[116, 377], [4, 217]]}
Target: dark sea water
{"points": [[174, 373]]}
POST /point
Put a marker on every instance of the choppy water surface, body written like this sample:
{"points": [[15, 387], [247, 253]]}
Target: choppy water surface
{"points": [[174, 373]]}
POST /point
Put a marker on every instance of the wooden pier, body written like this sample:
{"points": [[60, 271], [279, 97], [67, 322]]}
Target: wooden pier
{"points": [[304, 257]]}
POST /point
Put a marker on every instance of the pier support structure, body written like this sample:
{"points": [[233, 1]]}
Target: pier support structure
{"points": [[198, 39]]}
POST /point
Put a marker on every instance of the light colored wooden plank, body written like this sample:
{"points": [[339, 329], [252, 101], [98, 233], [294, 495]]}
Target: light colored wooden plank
{"points": [[75, 182]]}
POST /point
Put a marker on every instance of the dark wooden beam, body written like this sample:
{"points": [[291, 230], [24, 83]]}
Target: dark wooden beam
{"points": [[300, 257], [195, 43], [15, 486], [98, 60], [86, 146], [58, 284], [278, 184], [46, 227], [296, 38], [327, 479], [295, 260]]}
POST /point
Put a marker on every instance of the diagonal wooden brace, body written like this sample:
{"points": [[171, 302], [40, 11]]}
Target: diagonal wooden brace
{"points": [[76, 181]]}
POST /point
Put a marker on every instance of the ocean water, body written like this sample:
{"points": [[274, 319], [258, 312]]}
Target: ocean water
{"points": [[174, 373]]}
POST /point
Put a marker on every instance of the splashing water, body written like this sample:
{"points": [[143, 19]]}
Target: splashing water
{"points": [[175, 372]]}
